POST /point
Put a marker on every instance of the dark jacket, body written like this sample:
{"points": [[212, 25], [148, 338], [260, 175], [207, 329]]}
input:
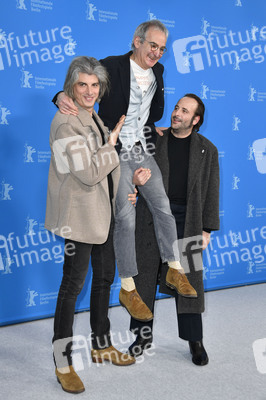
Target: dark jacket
{"points": [[116, 102], [202, 211]]}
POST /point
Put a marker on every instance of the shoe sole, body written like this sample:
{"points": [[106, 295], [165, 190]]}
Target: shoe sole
{"points": [[189, 296], [202, 363], [101, 360], [138, 319], [70, 391]]}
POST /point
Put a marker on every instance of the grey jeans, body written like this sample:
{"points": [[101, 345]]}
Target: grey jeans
{"points": [[125, 213]]}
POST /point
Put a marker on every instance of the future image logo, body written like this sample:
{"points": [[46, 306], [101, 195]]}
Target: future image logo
{"points": [[219, 48], [27, 49], [73, 153], [191, 54], [80, 155], [259, 149]]}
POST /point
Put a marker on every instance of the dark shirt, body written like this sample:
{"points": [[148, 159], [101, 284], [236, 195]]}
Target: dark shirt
{"points": [[178, 155]]}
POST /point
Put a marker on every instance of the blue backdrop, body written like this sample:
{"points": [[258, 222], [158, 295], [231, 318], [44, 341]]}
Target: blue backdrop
{"points": [[216, 49]]}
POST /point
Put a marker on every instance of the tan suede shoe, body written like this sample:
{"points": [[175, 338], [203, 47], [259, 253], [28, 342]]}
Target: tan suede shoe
{"points": [[179, 282], [70, 382], [112, 355], [134, 305]]}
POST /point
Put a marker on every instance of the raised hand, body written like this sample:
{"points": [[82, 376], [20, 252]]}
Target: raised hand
{"points": [[66, 104], [115, 132]]}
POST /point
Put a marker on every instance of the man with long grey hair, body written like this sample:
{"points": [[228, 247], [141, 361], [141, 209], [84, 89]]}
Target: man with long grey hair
{"points": [[137, 91], [82, 186]]}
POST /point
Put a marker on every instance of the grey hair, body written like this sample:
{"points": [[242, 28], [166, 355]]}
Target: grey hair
{"points": [[86, 65], [142, 29]]}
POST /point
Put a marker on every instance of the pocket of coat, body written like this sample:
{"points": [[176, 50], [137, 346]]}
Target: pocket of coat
{"points": [[83, 198]]}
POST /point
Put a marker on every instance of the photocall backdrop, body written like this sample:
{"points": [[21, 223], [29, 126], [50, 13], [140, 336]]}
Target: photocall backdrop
{"points": [[216, 49]]}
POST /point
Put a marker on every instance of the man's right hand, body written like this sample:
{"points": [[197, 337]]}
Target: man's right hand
{"points": [[141, 176], [66, 104]]}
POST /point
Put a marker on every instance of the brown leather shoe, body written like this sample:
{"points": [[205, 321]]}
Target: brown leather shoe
{"points": [[179, 282], [134, 305], [70, 382], [112, 355]]}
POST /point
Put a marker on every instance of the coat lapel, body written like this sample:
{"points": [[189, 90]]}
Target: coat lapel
{"points": [[161, 157], [158, 75], [87, 120], [124, 72], [197, 153]]}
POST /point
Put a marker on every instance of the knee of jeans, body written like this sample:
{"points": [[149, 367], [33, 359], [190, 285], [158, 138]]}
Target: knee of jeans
{"points": [[109, 278], [126, 216], [71, 288], [163, 207], [103, 281]]}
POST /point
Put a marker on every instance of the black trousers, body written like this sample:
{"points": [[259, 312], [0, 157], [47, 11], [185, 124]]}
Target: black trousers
{"points": [[76, 264], [189, 325]]}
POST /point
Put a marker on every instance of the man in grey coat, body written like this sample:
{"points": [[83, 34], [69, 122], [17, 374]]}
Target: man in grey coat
{"points": [[190, 170]]}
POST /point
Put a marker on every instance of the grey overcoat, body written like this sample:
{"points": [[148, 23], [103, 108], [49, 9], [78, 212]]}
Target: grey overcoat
{"points": [[202, 212], [78, 203]]}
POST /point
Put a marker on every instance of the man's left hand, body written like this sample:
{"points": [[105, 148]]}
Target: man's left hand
{"points": [[205, 239], [132, 197], [159, 130]]}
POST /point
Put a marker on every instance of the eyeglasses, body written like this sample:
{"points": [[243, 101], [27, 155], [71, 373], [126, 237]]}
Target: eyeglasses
{"points": [[155, 47]]}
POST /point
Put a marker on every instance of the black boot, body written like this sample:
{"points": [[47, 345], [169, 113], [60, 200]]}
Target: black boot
{"points": [[199, 355], [140, 344]]}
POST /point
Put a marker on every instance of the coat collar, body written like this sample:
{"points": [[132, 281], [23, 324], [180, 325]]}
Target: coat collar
{"points": [[197, 153], [83, 115], [125, 75], [86, 120]]}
